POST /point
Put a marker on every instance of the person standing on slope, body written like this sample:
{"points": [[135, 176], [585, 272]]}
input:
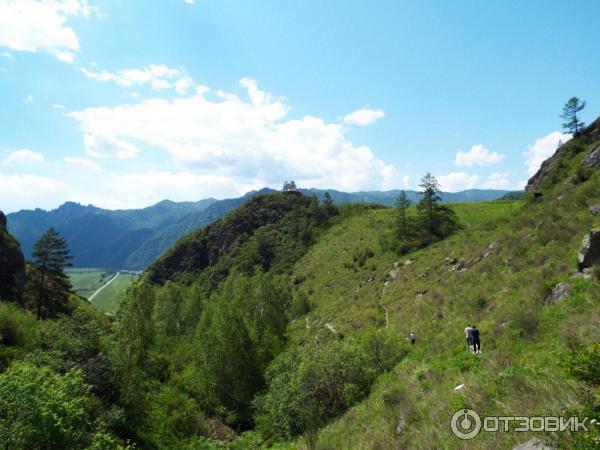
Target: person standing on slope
{"points": [[469, 337], [476, 343], [413, 338]]}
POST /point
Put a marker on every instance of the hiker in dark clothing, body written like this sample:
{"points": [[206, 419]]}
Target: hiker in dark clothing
{"points": [[469, 337], [475, 338], [413, 338]]}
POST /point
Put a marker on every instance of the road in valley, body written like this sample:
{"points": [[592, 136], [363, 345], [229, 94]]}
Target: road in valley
{"points": [[103, 286]]}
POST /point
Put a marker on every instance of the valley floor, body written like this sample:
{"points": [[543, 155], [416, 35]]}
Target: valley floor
{"points": [[103, 288]]}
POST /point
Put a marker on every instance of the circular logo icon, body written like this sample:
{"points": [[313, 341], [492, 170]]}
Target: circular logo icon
{"points": [[465, 424]]}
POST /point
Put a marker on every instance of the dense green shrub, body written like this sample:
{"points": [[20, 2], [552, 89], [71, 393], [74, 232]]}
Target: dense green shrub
{"points": [[361, 256], [41, 409], [383, 348], [584, 364], [300, 304], [174, 417], [309, 386], [582, 174], [19, 333]]}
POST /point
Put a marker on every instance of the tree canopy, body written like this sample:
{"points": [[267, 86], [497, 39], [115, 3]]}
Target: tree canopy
{"points": [[48, 288], [570, 114]]}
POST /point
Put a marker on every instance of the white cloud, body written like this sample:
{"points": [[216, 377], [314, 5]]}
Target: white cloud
{"points": [[113, 190], [477, 156], [364, 116], [145, 188], [190, 2], [107, 146], [7, 55], [183, 84], [33, 25], [58, 106], [83, 162], [246, 140], [18, 191], [23, 156], [457, 181], [28, 99], [542, 149], [497, 180], [157, 76]]}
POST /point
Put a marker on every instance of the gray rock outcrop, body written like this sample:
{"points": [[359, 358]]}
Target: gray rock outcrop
{"points": [[589, 254], [534, 444], [560, 291], [593, 158]]}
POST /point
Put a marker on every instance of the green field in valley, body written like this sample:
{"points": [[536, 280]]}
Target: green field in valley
{"points": [[107, 300], [87, 281]]}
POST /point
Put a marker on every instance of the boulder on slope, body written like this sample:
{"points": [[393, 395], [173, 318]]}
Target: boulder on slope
{"points": [[589, 253]]}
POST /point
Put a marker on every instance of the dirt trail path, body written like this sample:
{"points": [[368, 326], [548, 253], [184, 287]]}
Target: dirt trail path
{"points": [[103, 286]]}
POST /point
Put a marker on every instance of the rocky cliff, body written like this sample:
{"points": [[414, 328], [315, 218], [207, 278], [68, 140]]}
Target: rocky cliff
{"points": [[12, 264], [552, 170]]}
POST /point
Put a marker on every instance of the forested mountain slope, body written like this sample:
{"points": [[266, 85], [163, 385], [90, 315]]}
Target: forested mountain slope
{"points": [[100, 237], [279, 227], [132, 239]]}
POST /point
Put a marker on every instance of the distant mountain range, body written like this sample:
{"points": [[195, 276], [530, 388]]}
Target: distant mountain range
{"points": [[132, 239]]}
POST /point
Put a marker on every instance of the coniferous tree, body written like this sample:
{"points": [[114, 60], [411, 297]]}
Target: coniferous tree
{"points": [[402, 205], [329, 205], [570, 110], [289, 186], [435, 219], [48, 286], [428, 204]]}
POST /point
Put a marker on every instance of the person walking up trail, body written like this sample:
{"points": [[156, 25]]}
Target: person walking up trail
{"points": [[476, 342], [469, 337]]}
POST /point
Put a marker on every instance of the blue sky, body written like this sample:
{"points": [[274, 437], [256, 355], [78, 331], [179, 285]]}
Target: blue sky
{"points": [[124, 103]]}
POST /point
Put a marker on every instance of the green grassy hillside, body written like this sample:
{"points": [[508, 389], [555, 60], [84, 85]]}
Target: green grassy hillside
{"points": [[511, 257]]}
